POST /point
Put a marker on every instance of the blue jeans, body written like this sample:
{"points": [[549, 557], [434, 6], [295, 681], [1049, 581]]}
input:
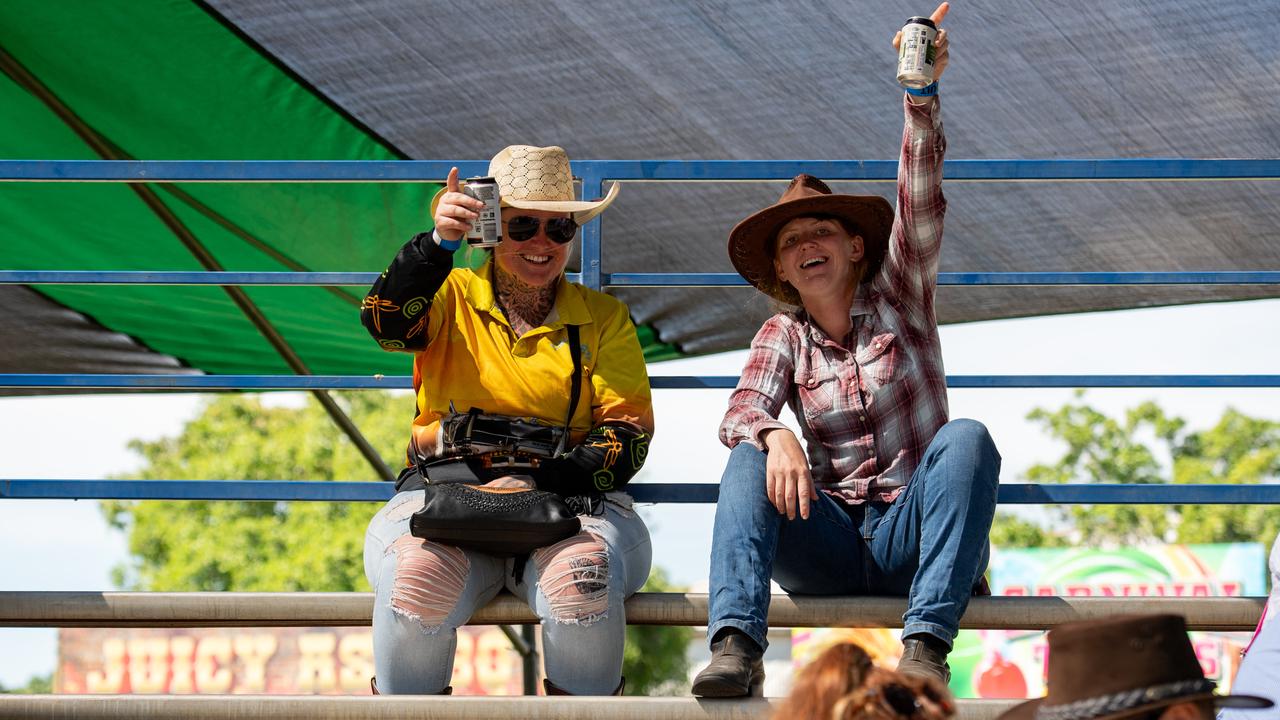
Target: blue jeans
{"points": [[871, 549], [423, 591]]}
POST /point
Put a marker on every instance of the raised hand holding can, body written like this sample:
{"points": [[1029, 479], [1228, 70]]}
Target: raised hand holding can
{"points": [[922, 52], [917, 52], [485, 230]]}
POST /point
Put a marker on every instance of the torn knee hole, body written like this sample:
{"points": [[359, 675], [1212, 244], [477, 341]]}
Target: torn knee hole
{"points": [[574, 576], [429, 579]]}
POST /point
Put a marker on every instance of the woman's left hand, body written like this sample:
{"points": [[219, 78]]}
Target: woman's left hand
{"points": [[943, 56]]}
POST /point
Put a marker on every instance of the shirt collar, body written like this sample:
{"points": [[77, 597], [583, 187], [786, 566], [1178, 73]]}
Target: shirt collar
{"points": [[480, 289], [861, 306], [861, 302], [569, 307]]}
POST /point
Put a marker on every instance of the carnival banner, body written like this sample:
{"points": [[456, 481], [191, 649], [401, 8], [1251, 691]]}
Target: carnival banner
{"points": [[1011, 664]]}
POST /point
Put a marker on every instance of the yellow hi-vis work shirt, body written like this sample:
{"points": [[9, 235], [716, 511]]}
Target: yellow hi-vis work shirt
{"points": [[473, 358]]}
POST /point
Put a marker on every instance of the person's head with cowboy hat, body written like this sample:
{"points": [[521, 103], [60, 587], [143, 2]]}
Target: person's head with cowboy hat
{"points": [[540, 215], [1127, 667], [812, 246]]}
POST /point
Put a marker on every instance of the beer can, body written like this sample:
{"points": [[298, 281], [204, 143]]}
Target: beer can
{"points": [[486, 230], [916, 53]]}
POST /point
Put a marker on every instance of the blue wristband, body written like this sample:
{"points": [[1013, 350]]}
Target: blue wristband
{"points": [[450, 245], [927, 91]]}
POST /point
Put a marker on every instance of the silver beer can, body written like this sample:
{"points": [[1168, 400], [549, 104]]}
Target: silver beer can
{"points": [[486, 230], [917, 52]]}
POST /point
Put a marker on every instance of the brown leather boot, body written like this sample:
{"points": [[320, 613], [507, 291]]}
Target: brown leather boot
{"points": [[925, 656], [373, 685], [736, 668], [553, 689]]}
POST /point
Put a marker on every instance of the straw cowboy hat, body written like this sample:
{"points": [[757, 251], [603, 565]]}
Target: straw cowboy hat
{"points": [[1122, 667], [751, 242], [539, 178]]}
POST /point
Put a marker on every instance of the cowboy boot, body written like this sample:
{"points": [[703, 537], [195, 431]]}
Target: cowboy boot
{"points": [[553, 689], [373, 685], [736, 668], [925, 656]]}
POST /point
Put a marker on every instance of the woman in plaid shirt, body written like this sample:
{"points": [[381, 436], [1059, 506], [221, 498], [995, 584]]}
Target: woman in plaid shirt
{"points": [[891, 498]]}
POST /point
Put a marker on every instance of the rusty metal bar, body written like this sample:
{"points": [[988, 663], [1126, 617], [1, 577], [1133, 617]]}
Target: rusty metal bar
{"points": [[230, 609], [422, 707]]}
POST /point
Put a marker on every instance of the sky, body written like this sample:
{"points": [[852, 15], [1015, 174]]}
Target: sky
{"points": [[65, 545]]}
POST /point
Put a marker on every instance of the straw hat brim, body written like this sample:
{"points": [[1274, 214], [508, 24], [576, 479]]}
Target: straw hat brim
{"points": [[1027, 710], [751, 242], [582, 210]]}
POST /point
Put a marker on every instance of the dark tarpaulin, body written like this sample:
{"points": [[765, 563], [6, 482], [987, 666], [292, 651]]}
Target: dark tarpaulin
{"points": [[69, 342]]}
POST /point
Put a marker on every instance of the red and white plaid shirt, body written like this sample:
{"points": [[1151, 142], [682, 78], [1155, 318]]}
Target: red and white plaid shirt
{"points": [[868, 413]]}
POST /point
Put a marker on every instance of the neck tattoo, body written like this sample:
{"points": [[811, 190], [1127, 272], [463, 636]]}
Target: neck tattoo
{"points": [[526, 306]]}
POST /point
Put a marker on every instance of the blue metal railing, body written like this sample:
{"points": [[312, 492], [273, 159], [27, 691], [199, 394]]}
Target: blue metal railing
{"points": [[364, 279], [310, 171], [593, 175], [370, 491], [658, 382]]}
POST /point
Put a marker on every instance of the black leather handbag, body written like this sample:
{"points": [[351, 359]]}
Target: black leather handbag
{"points": [[505, 522]]}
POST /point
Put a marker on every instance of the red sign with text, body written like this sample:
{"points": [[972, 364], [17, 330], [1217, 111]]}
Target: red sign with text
{"points": [[291, 661]]}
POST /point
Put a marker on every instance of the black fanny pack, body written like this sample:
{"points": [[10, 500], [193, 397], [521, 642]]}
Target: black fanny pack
{"points": [[474, 434], [479, 447]]}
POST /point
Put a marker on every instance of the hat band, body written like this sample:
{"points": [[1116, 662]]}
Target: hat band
{"points": [[1119, 702]]}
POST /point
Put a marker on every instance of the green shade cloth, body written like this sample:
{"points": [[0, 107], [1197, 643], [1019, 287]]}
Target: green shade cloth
{"points": [[167, 80]]}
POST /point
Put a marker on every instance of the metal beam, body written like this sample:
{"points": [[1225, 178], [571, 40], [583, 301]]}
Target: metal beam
{"points": [[707, 279], [666, 171], [645, 492], [255, 609], [657, 382], [422, 707]]}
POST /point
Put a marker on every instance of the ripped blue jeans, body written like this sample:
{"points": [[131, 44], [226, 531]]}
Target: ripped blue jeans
{"points": [[423, 591]]}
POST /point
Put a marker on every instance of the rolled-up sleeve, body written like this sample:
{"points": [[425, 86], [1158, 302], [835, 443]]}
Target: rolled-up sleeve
{"points": [[765, 386], [910, 269]]}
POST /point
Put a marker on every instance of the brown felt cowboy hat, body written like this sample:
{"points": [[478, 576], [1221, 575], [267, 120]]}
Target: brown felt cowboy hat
{"points": [[751, 242], [1122, 667], [539, 178]]}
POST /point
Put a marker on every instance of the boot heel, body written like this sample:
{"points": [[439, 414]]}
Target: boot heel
{"points": [[757, 689]]}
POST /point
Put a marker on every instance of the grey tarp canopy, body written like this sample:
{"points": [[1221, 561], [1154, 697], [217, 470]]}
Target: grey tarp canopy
{"points": [[772, 80], [766, 80]]}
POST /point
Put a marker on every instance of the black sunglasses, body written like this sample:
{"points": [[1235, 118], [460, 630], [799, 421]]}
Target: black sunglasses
{"points": [[559, 230]]}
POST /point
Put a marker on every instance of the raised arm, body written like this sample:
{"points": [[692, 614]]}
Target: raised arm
{"points": [[910, 269], [396, 312]]}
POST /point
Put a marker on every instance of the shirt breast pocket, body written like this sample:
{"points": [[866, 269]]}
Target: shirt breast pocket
{"points": [[881, 360], [818, 389]]}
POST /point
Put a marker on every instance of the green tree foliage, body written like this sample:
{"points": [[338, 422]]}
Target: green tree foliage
{"points": [[1148, 446], [224, 545], [655, 660], [304, 546], [37, 685]]}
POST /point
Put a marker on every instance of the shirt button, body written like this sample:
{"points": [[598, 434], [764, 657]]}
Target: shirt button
{"points": [[877, 346], [863, 418]]}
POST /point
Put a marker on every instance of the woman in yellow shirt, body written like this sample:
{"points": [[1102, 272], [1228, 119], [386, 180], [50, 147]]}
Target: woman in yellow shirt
{"points": [[497, 339]]}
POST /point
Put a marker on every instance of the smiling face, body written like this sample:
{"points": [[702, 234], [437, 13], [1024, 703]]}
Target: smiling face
{"points": [[537, 261], [818, 257]]}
